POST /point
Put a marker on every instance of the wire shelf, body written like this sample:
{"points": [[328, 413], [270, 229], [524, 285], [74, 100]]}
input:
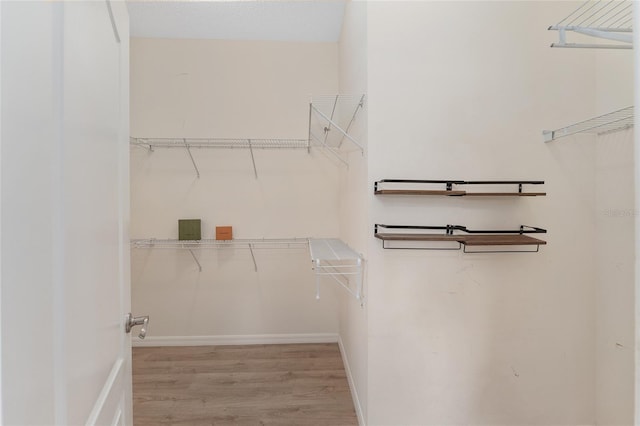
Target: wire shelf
{"points": [[330, 256], [614, 121], [330, 120], [333, 258], [262, 243], [151, 143], [603, 19]]}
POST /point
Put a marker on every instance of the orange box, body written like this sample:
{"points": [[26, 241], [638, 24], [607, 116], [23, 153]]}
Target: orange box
{"points": [[224, 233]]}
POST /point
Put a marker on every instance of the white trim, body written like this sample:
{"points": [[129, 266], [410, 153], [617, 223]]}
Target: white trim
{"points": [[636, 43], [352, 384], [105, 392], [1, 416], [243, 339]]}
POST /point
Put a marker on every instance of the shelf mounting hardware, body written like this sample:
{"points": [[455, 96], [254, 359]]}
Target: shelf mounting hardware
{"points": [[602, 19], [611, 122], [196, 260], [253, 257], [338, 128], [253, 161], [186, 145]]}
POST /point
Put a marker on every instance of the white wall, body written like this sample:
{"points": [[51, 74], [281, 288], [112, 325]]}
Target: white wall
{"points": [[614, 245], [462, 90], [354, 191], [228, 89]]}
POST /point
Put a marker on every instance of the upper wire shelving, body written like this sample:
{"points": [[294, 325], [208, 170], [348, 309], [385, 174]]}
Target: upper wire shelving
{"points": [[610, 20], [250, 144], [614, 121], [331, 118]]}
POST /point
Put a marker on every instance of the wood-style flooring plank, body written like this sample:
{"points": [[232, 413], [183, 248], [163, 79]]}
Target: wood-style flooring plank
{"points": [[302, 384]]}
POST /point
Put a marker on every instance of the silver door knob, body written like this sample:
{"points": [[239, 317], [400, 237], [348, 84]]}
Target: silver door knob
{"points": [[132, 321]]}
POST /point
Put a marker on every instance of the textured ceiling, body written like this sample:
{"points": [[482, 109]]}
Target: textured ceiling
{"points": [[300, 20]]}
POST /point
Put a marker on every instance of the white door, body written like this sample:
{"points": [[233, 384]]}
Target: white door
{"points": [[66, 358]]}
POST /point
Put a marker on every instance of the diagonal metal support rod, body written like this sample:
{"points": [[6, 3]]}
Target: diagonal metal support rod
{"points": [[309, 140], [186, 145], [330, 149], [196, 259], [346, 135], [353, 117], [255, 171], [255, 265], [328, 128]]}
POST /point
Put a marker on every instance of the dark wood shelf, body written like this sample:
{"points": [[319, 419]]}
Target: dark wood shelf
{"points": [[461, 236], [452, 188], [457, 193], [469, 240], [506, 194], [417, 192]]}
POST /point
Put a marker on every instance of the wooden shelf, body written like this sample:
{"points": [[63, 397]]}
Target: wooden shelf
{"points": [[452, 188], [465, 237], [470, 240], [501, 240], [457, 193], [417, 192], [505, 194]]}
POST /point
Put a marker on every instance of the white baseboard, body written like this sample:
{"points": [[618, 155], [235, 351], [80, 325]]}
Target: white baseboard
{"points": [[248, 339], [352, 385]]}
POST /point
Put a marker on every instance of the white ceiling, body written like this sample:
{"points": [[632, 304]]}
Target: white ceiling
{"points": [[284, 20]]}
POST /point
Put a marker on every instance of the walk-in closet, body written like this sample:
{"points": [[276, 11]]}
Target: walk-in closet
{"points": [[444, 189], [319, 212]]}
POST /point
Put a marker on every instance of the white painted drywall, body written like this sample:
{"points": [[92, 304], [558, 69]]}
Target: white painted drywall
{"points": [[354, 212], [230, 89], [462, 90], [614, 245]]}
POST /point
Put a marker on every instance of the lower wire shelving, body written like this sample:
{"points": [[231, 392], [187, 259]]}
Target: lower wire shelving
{"points": [[330, 256]]}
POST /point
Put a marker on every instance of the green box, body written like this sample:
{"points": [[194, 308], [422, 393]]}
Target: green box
{"points": [[189, 229]]}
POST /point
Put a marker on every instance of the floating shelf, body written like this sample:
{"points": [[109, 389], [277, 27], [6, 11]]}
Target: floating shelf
{"points": [[614, 121], [250, 244], [455, 241], [332, 257], [610, 20], [417, 187]]}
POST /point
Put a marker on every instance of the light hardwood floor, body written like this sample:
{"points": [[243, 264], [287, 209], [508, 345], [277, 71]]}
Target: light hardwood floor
{"points": [[302, 384]]}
